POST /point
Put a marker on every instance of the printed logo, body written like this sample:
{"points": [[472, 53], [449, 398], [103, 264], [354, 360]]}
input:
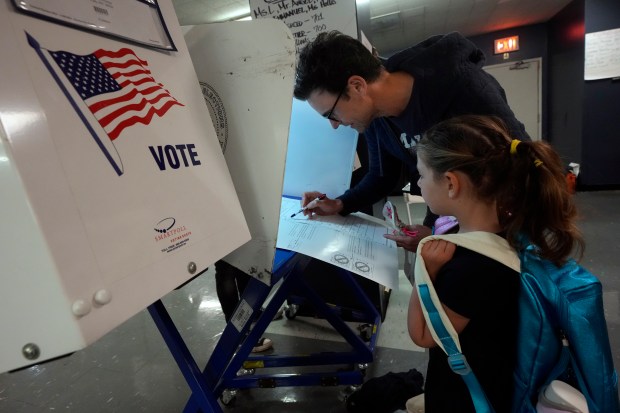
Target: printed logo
{"points": [[116, 87], [174, 236], [165, 225], [217, 112], [408, 142]]}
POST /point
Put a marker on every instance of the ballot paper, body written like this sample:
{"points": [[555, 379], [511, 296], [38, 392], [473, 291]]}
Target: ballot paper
{"points": [[354, 242]]}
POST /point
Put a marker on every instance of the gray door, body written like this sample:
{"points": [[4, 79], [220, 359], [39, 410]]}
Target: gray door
{"points": [[522, 83]]}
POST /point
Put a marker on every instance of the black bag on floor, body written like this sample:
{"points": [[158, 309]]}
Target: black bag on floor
{"points": [[387, 393]]}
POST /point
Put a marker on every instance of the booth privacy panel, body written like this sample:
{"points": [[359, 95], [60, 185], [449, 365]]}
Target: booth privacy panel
{"points": [[320, 158], [114, 188], [246, 72]]}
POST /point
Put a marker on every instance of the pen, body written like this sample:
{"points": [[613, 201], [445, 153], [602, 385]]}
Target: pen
{"points": [[317, 199]]}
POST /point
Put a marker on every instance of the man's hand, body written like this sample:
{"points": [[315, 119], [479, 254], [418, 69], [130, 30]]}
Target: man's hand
{"points": [[410, 243], [325, 206], [435, 254]]}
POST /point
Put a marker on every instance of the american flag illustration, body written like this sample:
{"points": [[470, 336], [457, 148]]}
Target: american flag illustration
{"points": [[117, 87]]}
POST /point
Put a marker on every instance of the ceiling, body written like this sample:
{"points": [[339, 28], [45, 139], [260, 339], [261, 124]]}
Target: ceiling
{"points": [[395, 24]]}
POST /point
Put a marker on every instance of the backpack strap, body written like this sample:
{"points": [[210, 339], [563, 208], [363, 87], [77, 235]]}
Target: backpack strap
{"points": [[449, 343], [488, 244]]}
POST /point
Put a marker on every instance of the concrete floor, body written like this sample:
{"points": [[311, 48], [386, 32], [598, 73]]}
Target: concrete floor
{"points": [[131, 370]]}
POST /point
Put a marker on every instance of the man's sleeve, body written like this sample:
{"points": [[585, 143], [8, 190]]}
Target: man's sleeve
{"points": [[383, 175]]}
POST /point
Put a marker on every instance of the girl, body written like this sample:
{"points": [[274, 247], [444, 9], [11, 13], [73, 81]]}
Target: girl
{"points": [[472, 169]]}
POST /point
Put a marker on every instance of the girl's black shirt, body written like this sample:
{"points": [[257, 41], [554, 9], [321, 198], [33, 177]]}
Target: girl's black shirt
{"points": [[486, 292]]}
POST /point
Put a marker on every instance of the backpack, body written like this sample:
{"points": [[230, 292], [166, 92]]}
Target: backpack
{"points": [[562, 329]]}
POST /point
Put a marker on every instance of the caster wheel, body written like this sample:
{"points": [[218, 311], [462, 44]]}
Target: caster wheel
{"points": [[228, 397], [365, 331], [347, 391], [245, 372], [291, 311]]}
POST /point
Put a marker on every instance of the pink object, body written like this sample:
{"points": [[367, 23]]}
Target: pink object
{"points": [[408, 232], [391, 216]]}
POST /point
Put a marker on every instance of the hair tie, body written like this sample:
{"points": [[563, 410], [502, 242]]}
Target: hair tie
{"points": [[537, 162], [513, 146]]}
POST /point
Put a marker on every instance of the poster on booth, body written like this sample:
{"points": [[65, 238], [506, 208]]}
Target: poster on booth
{"points": [[117, 159]]}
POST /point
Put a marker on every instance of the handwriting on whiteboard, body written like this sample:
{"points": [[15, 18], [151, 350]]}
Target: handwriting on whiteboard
{"points": [[307, 18]]}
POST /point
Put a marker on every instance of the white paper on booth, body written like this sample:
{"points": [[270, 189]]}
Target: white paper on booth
{"points": [[354, 242]]}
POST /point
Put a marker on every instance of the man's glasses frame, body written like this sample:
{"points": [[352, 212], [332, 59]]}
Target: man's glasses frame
{"points": [[330, 115]]}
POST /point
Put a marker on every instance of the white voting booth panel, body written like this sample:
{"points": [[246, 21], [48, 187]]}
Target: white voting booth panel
{"points": [[246, 72], [99, 223], [319, 157]]}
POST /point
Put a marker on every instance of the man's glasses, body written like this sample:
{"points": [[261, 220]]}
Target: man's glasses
{"points": [[330, 115]]}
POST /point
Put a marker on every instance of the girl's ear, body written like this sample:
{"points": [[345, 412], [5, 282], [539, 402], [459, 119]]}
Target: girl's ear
{"points": [[453, 184]]}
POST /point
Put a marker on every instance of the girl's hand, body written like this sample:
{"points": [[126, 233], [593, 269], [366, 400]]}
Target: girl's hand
{"points": [[435, 254], [410, 242]]}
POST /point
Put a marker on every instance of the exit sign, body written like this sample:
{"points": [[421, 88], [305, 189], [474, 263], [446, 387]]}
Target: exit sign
{"points": [[507, 44]]}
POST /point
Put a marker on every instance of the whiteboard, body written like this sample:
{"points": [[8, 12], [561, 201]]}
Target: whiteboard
{"points": [[307, 18], [602, 55]]}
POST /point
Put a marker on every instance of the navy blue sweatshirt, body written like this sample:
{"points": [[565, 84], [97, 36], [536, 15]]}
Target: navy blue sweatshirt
{"points": [[448, 81]]}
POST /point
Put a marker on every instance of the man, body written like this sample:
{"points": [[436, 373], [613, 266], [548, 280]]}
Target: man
{"points": [[393, 104]]}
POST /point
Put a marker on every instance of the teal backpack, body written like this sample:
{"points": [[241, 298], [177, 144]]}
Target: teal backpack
{"points": [[562, 330]]}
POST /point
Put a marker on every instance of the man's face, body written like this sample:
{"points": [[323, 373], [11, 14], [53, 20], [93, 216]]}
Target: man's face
{"points": [[340, 109]]}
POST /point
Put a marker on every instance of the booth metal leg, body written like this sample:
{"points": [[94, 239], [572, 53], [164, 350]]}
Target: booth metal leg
{"points": [[361, 353], [233, 350], [202, 395]]}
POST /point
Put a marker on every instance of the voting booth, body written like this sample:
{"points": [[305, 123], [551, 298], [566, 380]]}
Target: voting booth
{"points": [[114, 187], [239, 84], [132, 157], [321, 158]]}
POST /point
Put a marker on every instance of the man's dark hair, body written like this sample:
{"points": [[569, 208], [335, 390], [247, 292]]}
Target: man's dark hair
{"points": [[329, 60]]}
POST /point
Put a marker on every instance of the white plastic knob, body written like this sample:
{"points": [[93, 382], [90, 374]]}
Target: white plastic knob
{"points": [[80, 307], [102, 297]]}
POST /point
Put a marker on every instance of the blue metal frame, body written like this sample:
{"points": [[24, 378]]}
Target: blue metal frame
{"points": [[233, 350]]}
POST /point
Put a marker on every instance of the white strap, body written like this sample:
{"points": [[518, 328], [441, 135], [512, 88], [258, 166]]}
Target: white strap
{"points": [[485, 243]]}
